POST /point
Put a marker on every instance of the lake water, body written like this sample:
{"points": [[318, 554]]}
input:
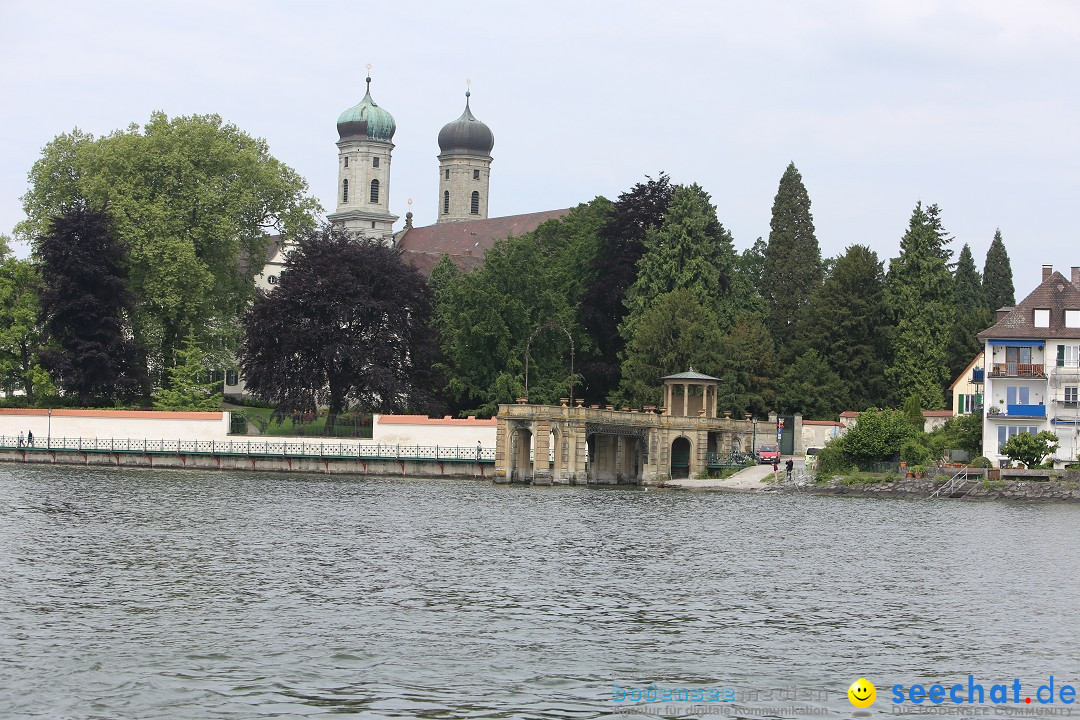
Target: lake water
{"points": [[142, 594]]}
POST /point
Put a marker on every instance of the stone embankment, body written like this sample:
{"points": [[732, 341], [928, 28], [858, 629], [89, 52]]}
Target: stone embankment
{"points": [[1061, 486]]}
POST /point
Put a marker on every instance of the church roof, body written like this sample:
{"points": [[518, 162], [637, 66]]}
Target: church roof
{"points": [[1055, 294], [366, 121], [466, 241], [466, 135]]}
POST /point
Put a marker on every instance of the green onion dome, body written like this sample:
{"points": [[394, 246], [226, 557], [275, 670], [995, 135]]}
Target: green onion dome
{"points": [[366, 121]]}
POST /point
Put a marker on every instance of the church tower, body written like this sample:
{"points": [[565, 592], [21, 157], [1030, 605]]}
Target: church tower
{"points": [[464, 168], [365, 132]]}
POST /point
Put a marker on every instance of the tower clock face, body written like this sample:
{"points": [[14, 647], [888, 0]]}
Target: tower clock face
{"points": [[272, 279]]}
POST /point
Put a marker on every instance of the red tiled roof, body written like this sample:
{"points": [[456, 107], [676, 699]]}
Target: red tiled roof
{"points": [[1055, 294], [822, 422], [466, 241]]}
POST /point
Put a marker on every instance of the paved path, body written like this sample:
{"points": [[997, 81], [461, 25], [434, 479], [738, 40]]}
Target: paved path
{"points": [[749, 479]]}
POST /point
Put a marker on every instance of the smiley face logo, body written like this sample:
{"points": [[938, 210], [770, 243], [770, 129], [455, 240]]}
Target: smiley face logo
{"points": [[862, 693]]}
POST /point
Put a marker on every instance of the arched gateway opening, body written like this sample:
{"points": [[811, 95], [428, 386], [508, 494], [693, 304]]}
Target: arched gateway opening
{"points": [[522, 469], [680, 458]]}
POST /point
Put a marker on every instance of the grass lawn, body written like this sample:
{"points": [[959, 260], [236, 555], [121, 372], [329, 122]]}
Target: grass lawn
{"points": [[261, 418]]}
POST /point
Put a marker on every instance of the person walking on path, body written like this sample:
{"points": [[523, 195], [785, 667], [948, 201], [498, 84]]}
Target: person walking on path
{"points": [[30, 438], [479, 449], [21, 438], [790, 468], [776, 469]]}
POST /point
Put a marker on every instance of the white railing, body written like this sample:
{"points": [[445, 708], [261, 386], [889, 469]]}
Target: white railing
{"points": [[252, 448]]}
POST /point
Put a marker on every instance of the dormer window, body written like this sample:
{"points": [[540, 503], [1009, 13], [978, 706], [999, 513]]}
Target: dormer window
{"points": [[1072, 318], [1042, 318]]}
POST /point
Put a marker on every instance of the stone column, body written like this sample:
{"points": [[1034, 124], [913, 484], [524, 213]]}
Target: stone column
{"points": [[686, 398], [620, 458], [502, 455], [541, 444], [799, 447]]}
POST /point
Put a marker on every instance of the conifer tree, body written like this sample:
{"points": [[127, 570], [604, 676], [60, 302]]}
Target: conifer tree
{"points": [[691, 250], [998, 276], [920, 291], [972, 313], [847, 323], [191, 385], [749, 371], [792, 259]]}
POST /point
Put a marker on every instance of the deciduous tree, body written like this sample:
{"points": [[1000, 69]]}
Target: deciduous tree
{"points": [[528, 284], [21, 331], [347, 326], [85, 306], [192, 199], [1030, 449], [612, 271]]}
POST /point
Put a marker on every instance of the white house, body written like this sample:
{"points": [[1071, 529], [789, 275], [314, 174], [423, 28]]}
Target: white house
{"points": [[1033, 367]]}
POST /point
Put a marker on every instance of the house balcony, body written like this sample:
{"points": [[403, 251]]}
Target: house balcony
{"points": [[978, 376], [1019, 411], [1018, 370]]}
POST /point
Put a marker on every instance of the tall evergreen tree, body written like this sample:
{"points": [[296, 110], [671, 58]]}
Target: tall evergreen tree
{"points": [[972, 313], [920, 291], [86, 307], [612, 271], [847, 322], [677, 332], [748, 376], [998, 276], [792, 259], [691, 250], [809, 386]]}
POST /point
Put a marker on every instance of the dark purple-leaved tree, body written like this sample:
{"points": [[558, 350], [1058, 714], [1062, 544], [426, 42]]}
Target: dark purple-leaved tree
{"points": [[613, 271], [85, 307], [348, 326]]}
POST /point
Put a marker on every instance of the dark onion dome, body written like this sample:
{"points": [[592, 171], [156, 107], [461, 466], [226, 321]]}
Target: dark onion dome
{"points": [[466, 135], [366, 121]]}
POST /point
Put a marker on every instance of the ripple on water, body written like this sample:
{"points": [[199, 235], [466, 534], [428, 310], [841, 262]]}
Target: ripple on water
{"points": [[185, 595]]}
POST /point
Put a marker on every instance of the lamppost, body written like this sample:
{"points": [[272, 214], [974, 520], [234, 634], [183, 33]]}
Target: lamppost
{"points": [[48, 435], [554, 325]]}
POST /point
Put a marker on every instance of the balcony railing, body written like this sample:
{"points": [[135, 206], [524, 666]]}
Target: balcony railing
{"points": [[1030, 411], [977, 376], [1018, 370]]}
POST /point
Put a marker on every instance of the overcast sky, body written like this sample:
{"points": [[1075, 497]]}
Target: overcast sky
{"points": [[971, 104]]}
